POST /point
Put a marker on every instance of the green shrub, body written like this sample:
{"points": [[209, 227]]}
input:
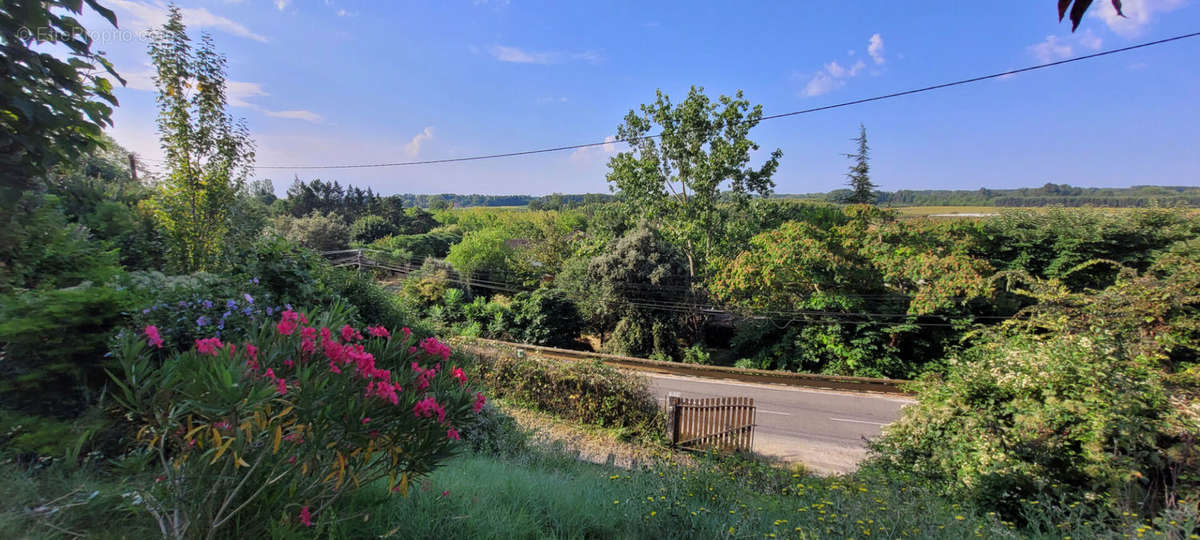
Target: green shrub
{"points": [[546, 317], [696, 354], [281, 426], [496, 434], [1089, 398], [370, 228], [54, 345], [196, 306], [314, 231], [588, 392]]}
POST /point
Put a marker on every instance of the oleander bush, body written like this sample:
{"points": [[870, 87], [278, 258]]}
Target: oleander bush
{"points": [[269, 434]]}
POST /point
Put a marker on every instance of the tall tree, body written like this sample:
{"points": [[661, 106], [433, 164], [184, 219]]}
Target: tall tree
{"points": [[53, 103], [208, 154], [862, 190], [676, 179]]}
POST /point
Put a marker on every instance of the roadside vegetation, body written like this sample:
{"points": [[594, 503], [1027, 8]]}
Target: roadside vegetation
{"points": [[178, 358]]}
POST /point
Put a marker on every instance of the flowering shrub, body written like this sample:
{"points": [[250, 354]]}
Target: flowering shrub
{"points": [[289, 421]]}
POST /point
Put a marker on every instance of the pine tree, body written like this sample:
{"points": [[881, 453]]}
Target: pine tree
{"points": [[862, 190]]}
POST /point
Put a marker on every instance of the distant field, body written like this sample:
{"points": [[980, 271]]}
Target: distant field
{"points": [[923, 211]]}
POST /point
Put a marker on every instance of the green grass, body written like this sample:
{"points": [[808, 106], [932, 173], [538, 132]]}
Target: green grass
{"points": [[548, 494], [541, 495]]}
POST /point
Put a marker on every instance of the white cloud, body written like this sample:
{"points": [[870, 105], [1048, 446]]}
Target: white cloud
{"points": [[299, 114], [1138, 14], [875, 48], [822, 83], [832, 77], [590, 153], [517, 55], [282, 4], [413, 148], [237, 92], [144, 15], [1053, 49]]}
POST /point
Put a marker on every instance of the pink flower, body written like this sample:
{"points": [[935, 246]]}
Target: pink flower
{"points": [[281, 386], [366, 420], [152, 337], [287, 324], [208, 346], [350, 334], [433, 347], [270, 374], [308, 339], [407, 333], [457, 373], [305, 517], [479, 401], [292, 460], [251, 351], [288, 363], [446, 493], [333, 367], [385, 390], [427, 408], [379, 331], [452, 434]]}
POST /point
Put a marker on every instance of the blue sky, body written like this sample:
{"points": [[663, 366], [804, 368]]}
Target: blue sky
{"points": [[336, 81]]}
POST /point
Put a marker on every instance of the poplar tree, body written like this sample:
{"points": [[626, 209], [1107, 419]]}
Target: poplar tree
{"points": [[209, 155]]}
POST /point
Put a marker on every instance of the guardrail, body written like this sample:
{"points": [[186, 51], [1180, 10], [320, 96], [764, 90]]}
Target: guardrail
{"points": [[809, 380]]}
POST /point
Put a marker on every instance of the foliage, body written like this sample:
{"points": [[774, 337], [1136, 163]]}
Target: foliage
{"points": [[481, 254], [626, 289], [676, 178], [282, 426], [315, 231], [198, 306], [1051, 244], [546, 317], [823, 281], [54, 346], [98, 191], [862, 191], [52, 108], [1091, 398], [1078, 8], [496, 434], [208, 155], [370, 228], [588, 392], [50, 252], [412, 248]]}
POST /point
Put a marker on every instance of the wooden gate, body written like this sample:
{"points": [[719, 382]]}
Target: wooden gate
{"points": [[719, 423]]}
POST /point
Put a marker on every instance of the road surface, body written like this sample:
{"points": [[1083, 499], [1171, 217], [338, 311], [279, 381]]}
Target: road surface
{"points": [[825, 430]]}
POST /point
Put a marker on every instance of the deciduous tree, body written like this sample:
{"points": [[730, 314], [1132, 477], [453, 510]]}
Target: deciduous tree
{"points": [[208, 154], [682, 178]]}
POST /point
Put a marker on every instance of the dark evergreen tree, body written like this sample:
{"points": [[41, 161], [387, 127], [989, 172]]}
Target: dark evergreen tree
{"points": [[862, 190]]}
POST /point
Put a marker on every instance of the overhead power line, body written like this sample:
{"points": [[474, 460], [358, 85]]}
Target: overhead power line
{"points": [[769, 117]]}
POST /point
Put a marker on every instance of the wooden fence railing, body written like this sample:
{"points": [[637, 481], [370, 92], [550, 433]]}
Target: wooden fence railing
{"points": [[718, 423]]}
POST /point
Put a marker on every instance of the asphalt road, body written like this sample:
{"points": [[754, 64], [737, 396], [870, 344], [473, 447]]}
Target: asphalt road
{"points": [[825, 430]]}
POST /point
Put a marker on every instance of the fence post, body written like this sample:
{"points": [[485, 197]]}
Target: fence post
{"points": [[673, 419]]}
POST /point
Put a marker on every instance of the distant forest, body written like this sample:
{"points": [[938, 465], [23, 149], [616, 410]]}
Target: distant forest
{"points": [[1047, 195]]}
